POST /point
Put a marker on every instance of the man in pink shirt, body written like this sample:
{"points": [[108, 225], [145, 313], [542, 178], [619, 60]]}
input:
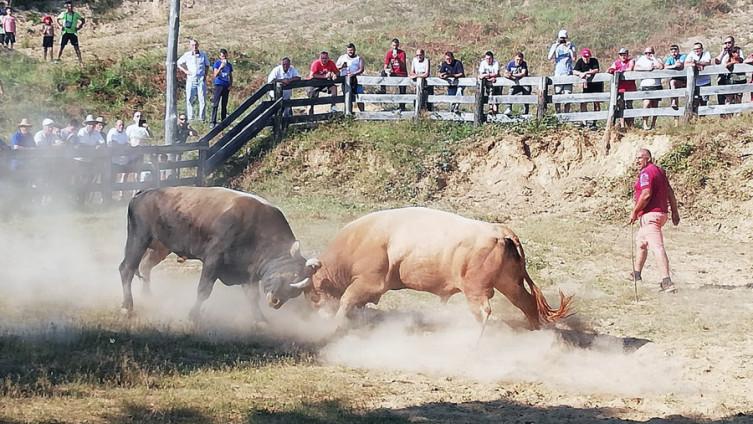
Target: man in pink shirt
{"points": [[395, 65], [9, 26], [323, 69], [624, 63], [652, 195]]}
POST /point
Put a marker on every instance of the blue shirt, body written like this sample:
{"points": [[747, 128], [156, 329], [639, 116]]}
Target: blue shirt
{"points": [[671, 59], [456, 67], [563, 58], [223, 77], [21, 140]]}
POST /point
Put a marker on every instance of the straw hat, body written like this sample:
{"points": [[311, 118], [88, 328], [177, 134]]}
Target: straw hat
{"points": [[24, 123], [101, 120], [90, 120]]}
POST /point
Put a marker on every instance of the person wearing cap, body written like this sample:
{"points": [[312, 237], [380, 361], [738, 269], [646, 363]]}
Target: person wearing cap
{"points": [[88, 135], [648, 62], [22, 138], [562, 53], [70, 23], [675, 61], [194, 63], [516, 69], [48, 36], [47, 136], [624, 63], [586, 67], [352, 65], [699, 59]]}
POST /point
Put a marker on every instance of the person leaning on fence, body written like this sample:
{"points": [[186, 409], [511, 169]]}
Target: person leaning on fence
{"points": [[516, 69], [451, 69], [323, 69], [586, 67], [194, 64], [562, 53], [395, 65], [351, 66], [284, 73], [48, 36], [420, 67], [653, 193], [222, 71], [69, 134], [648, 62], [624, 63], [9, 26], [699, 59], [22, 138], [676, 62], [735, 57], [47, 136], [70, 23], [488, 71], [723, 59]]}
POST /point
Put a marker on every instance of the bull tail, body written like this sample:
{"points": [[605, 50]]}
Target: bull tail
{"points": [[546, 314]]}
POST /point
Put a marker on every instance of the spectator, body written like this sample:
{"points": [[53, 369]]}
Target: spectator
{"points": [[121, 164], [48, 36], [451, 69], [69, 134], [351, 65], [9, 26], [100, 126], [722, 59], [2, 31], [562, 53], [395, 65], [516, 69], [624, 63], [675, 61], [194, 64], [47, 136], [69, 23], [135, 125], [22, 139], [699, 59], [88, 135], [323, 69], [488, 71], [586, 67], [223, 80], [421, 68], [649, 62], [735, 57], [184, 130], [284, 73]]}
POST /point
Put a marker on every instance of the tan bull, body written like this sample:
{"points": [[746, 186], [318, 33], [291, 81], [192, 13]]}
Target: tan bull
{"points": [[432, 251]]}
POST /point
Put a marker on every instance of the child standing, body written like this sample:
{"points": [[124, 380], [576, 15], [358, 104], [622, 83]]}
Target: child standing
{"points": [[9, 25], [48, 35]]}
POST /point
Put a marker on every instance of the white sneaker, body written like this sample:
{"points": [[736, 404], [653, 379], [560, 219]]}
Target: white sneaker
{"points": [[507, 111], [333, 109]]}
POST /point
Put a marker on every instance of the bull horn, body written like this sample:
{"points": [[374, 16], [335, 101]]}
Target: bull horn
{"points": [[301, 284], [313, 263]]}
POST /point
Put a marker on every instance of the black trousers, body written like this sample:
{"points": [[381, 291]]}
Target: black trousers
{"points": [[221, 92]]}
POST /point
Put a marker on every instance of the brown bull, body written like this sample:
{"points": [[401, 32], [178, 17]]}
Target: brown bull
{"points": [[432, 251]]}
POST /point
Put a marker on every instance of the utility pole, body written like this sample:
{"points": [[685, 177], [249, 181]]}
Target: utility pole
{"points": [[171, 103]]}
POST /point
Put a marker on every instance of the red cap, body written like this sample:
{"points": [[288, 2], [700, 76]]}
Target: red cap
{"points": [[47, 19], [585, 52]]}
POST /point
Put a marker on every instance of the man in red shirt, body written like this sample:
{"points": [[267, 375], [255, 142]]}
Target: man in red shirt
{"points": [[323, 68], [395, 66], [652, 195]]}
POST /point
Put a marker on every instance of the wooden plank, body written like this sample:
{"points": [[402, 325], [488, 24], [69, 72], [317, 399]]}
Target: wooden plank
{"points": [[386, 98], [478, 106], [384, 116], [388, 81], [141, 185], [541, 98], [654, 94], [264, 89], [348, 101], [201, 173], [326, 100], [690, 73], [452, 99], [657, 74], [657, 111], [246, 121], [317, 117], [724, 109], [583, 116], [450, 116], [572, 79], [726, 89], [518, 99], [303, 83], [580, 98], [721, 69], [420, 98], [525, 81], [179, 164], [505, 119], [456, 82]]}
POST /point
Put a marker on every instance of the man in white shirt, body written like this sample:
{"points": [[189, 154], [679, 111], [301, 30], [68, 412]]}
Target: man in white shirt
{"points": [[284, 73], [194, 64], [648, 62], [88, 136], [46, 136], [420, 67], [699, 59], [352, 64], [117, 137], [488, 71]]}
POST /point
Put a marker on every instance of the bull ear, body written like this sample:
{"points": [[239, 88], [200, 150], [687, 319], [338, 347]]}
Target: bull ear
{"points": [[295, 249], [313, 264]]}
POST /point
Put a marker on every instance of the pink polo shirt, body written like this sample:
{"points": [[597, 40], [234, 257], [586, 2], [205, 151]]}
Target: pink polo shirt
{"points": [[652, 177], [9, 24]]}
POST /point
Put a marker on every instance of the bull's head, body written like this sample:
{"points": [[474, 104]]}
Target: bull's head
{"points": [[287, 277]]}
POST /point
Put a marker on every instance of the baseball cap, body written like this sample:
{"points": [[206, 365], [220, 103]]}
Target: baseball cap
{"points": [[562, 33], [622, 50], [47, 121], [585, 52]]}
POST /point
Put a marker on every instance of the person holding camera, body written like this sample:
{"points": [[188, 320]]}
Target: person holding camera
{"points": [[71, 23], [648, 62], [724, 58], [562, 53], [223, 80]]}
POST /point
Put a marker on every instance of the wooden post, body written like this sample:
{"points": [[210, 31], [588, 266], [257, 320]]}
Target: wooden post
{"points": [[541, 105], [348, 92], [106, 187], [478, 112], [202, 166], [690, 106], [612, 111], [419, 98], [278, 124]]}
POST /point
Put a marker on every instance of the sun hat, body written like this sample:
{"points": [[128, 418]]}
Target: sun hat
{"points": [[25, 123], [47, 121], [562, 33], [89, 120], [101, 120], [585, 52]]}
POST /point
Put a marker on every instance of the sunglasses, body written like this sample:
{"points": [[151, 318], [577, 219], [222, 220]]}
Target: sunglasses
{"points": [[728, 42]]}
